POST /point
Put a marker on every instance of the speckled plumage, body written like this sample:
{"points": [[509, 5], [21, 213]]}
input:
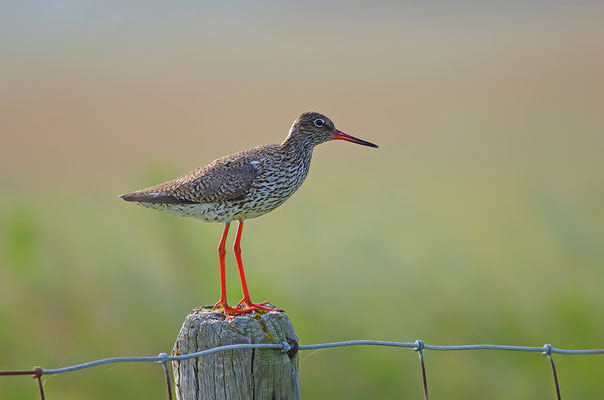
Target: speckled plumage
{"points": [[243, 185]]}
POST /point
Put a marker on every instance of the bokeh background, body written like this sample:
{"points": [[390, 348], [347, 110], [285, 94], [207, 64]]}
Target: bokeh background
{"points": [[479, 219]]}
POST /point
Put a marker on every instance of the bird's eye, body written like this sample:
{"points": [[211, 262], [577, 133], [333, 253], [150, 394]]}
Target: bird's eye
{"points": [[319, 122]]}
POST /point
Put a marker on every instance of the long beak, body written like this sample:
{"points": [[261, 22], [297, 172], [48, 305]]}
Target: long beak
{"points": [[339, 135]]}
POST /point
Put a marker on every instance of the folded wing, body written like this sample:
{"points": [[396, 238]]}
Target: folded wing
{"points": [[221, 181]]}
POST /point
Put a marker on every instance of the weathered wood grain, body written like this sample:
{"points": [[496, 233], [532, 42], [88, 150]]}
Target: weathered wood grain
{"points": [[245, 374]]}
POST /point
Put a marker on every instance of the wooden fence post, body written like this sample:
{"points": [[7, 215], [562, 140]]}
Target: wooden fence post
{"points": [[242, 374]]}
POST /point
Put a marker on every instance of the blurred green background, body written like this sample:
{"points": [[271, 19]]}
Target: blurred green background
{"points": [[479, 219]]}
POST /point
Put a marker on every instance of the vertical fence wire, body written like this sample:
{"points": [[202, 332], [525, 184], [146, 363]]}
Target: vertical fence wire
{"points": [[420, 350], [38, 372], [291, 348], [164, 359], [295, 380], [548, 353]]}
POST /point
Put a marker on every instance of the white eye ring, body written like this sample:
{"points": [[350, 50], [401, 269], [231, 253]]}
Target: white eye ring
{"points": [[319, 122]]}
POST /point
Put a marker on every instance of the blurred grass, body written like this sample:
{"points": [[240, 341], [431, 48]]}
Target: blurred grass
{"points": [[395, 258]]}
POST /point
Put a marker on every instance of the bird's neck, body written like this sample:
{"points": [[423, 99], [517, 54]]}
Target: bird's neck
{"points": [[296, 147], [297, 143]]}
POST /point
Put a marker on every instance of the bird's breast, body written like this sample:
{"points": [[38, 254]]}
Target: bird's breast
{"points": [[282, 180], [273, 186]]}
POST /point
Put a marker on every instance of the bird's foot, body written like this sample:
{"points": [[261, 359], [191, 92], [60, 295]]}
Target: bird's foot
{"points": [[231, 312], [256, 306]]}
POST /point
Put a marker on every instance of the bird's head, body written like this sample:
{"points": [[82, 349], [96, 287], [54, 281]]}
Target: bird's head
{"points": [[314, 128]]}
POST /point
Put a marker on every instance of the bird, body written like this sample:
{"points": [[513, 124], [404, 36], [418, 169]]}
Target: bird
{"points": [[242, 186]]}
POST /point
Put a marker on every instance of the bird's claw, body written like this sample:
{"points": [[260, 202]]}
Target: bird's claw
{"points": [[256, 306], [231, 312]]}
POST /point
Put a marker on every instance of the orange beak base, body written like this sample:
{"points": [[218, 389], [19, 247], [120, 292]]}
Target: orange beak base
{"points": [[339, 135]]}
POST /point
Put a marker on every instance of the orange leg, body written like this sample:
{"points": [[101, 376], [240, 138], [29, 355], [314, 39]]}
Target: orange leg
{"points": [[246, 295], [223, 297]]}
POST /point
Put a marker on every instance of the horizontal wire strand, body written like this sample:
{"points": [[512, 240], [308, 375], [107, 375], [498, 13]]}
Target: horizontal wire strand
{"points": [[285, 347]]}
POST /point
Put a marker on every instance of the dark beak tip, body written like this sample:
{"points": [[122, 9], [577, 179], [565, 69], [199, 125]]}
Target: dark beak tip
{"points": [[368, 144]]}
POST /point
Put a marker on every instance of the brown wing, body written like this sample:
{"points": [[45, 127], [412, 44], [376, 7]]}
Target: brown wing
{"points": [[221, 181]]}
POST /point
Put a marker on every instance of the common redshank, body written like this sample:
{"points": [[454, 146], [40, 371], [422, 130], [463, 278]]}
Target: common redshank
{"points": [[242, 186]]}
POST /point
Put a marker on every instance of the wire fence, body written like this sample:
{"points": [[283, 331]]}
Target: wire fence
{"points": [[292, 347]]}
